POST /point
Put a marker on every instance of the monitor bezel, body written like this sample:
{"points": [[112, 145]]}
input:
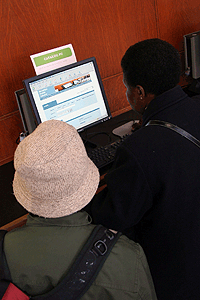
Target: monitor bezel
{"points": [[26, 83]]}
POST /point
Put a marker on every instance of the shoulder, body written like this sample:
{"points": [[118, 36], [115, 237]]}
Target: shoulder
{"points": [[130, 248], [126, 270], [126, 255]]}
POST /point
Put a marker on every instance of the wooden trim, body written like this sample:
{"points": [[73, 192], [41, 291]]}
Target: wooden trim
{"points": [[2, 118], [15, 224], [6, 160], [101, 188]]}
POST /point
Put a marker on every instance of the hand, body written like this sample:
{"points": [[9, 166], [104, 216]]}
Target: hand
{"points": [[136, 125]]}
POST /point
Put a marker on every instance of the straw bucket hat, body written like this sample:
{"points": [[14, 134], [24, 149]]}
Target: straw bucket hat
{"points": [[53, 175]]}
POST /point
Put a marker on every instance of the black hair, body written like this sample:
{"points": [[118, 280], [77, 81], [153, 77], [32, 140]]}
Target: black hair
{"points": [[154, 64]]}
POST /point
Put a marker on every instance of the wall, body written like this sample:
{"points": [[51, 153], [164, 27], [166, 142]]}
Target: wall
{"points": [[100, 28]]}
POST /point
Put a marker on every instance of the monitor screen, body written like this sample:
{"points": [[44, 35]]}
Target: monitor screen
{"points": [[73, 94]]}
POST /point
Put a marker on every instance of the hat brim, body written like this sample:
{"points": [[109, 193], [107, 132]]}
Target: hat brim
{"points": [[58, 207]]}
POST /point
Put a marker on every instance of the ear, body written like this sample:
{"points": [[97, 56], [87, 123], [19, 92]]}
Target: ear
{"points": [[140, 91]]}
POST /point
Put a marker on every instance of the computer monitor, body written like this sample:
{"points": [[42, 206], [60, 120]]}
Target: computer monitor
{"points": [[192, 54], [192, 59], [73, 94]]}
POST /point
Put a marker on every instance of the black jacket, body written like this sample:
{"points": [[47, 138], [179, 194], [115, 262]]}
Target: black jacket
{"points": [[153, 195]]}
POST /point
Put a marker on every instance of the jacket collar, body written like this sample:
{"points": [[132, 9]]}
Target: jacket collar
{"points": [[163, 101], [80, 218]]}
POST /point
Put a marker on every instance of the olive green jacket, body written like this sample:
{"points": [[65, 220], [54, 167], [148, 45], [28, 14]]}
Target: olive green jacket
{"points": [[40, 254]]}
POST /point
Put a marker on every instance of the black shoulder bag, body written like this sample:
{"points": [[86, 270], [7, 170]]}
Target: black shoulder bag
{"points": [[79, 278]]}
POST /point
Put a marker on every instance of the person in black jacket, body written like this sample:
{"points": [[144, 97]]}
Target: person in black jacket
{"points": [[153, 188]]}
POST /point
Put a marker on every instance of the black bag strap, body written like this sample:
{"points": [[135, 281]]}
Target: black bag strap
{"points": [[177, 129], [85, 268]]}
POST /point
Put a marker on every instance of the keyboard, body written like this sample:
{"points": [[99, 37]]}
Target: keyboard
{"points": [[104, 155]]}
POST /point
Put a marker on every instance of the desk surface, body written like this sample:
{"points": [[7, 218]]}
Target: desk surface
{"points": [[100, 134]]}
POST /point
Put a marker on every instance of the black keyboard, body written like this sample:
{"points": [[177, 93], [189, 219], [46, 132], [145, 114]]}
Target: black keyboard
{"points": [[103, 156]]}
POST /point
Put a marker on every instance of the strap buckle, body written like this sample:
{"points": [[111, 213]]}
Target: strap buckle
{"points": [[100, 248]]}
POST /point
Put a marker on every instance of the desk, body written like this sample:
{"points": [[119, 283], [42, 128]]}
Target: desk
{"points": [[12, 214]]}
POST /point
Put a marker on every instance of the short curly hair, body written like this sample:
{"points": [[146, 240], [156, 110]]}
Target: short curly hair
{"points": [[154, 64]]}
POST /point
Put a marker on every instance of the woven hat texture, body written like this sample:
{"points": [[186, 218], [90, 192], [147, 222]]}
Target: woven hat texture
{"points": [[53, 175]]}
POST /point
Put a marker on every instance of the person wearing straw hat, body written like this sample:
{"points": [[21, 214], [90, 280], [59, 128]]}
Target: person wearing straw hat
{"points": [[54, 180]]}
